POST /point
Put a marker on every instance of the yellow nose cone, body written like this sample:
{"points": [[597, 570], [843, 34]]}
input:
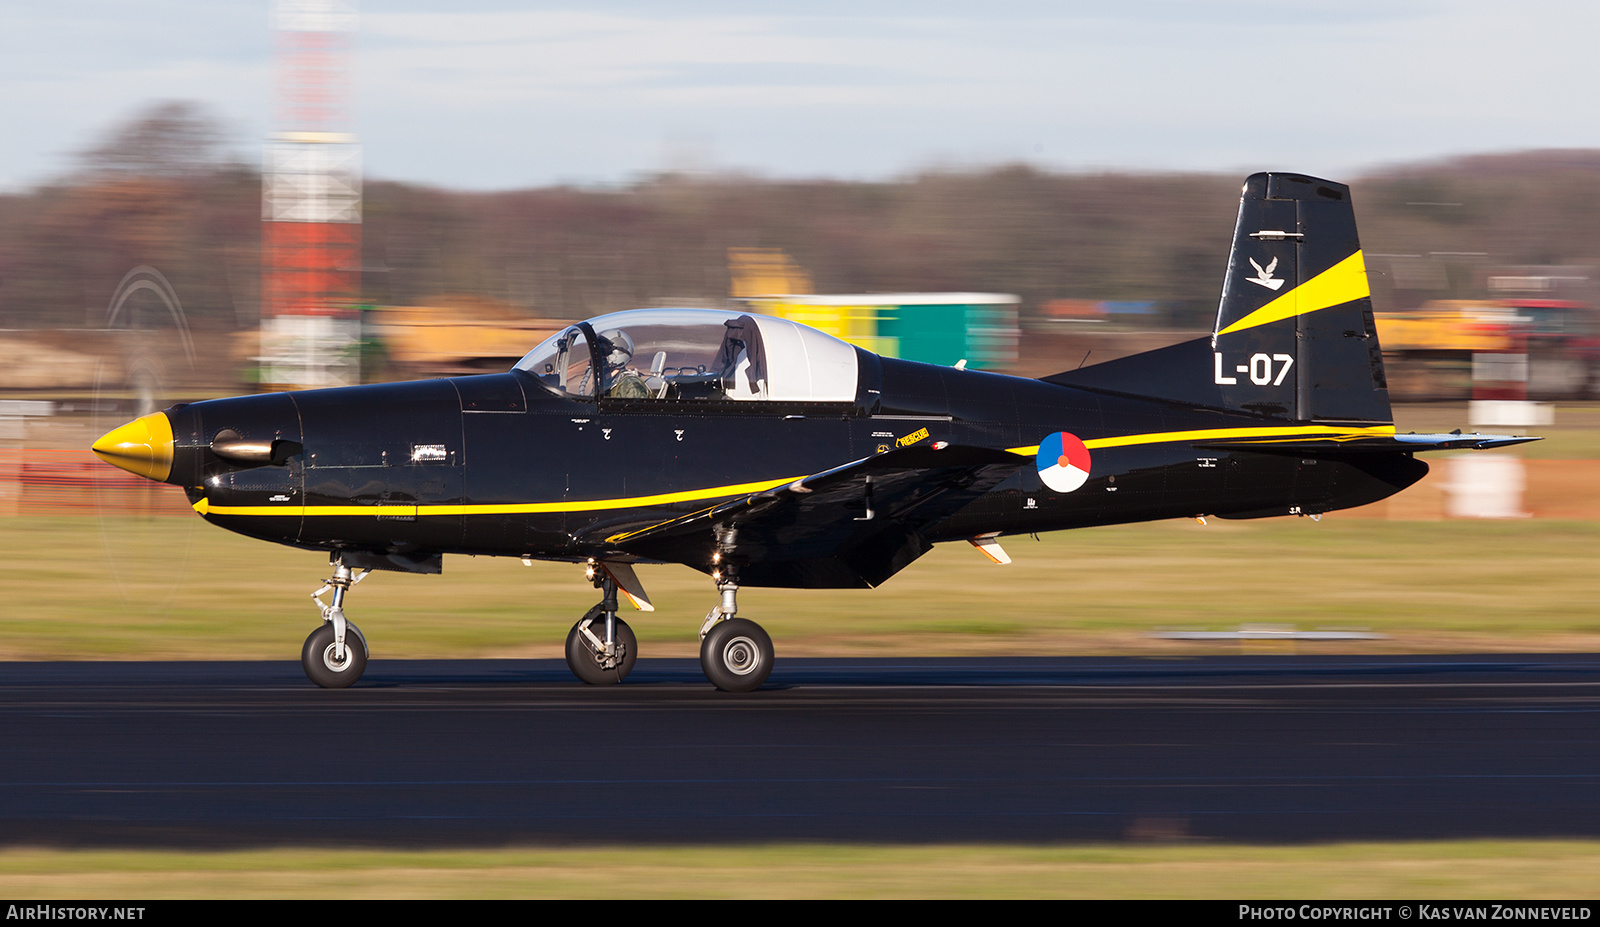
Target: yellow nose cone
{"points": [[143, 446]]}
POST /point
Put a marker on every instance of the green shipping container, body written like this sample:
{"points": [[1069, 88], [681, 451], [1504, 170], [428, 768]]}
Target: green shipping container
{"points": [[936, 328]]}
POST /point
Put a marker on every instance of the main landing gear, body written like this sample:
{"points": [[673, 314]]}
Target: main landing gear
{"points": [[601, 648], [335, 655], [735, 654]]}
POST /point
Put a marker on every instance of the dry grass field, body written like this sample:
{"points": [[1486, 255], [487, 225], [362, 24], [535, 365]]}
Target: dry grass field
{"points": [[1399, 872], [176, 588]]}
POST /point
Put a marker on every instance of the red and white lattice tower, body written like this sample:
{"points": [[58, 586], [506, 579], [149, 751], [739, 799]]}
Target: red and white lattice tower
{"points": [[311, 203]]}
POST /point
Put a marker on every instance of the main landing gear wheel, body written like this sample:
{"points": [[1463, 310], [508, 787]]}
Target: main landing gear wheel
{"points": [[591, 663], [322, 663], [736, 655]]}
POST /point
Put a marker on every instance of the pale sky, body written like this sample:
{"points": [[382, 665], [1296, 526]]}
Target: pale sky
{"points": [[490, 94]]}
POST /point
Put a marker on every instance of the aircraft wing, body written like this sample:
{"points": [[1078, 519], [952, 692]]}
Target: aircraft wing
{"points": [[854, 525], [1342, 444]]}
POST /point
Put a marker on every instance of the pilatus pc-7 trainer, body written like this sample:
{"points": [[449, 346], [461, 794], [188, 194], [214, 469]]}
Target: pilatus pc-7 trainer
{"points": [[765, 453]]}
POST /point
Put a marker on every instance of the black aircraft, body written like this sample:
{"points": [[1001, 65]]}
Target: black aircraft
{"points": [[766, 453]]}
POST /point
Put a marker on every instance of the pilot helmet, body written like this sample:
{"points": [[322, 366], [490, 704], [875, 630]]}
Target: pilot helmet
{"points": [[616, 346]]}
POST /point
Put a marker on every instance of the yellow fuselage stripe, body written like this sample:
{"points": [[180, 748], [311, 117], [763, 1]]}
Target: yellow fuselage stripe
{"points": [[204, 506], [1339, 284], [519, 508]]}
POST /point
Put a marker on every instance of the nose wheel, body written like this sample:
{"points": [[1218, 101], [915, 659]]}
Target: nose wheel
{"points": [[323, 662]]}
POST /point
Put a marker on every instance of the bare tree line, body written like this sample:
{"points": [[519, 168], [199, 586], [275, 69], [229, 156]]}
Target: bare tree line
{"points": [[163, 191]]}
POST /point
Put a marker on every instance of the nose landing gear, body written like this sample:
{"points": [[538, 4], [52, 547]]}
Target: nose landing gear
{"points": [[335, 655]]}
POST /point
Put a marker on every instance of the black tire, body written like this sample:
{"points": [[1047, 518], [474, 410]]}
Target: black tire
{"points": [[319, 663], [588, 664], [736, 655]]}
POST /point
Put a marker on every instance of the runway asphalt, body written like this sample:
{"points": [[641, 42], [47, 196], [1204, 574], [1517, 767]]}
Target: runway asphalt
{"points": [[1249, 749]]}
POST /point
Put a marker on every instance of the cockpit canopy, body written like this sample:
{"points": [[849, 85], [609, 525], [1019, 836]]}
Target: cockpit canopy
{"points": [[694, 354]]}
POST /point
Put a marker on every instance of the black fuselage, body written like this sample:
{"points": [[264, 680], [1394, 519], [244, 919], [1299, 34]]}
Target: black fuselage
{"points": [[498, 465]]}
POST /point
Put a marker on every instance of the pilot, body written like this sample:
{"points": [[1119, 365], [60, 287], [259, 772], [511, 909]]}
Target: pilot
{"points": [[622, 381]]}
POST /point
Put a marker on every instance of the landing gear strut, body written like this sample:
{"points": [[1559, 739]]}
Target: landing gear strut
{"points": [[335, 655], [735, 654], [601, 648]]}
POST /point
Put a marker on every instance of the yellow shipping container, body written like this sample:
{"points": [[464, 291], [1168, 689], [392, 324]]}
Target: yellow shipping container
{"points": [[1448, 325]]}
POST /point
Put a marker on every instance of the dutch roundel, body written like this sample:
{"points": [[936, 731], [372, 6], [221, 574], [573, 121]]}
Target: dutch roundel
{"points": [[1063, 462]]}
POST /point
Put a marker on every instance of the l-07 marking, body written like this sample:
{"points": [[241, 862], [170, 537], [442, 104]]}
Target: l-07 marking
{"points": [[1259, 368]]}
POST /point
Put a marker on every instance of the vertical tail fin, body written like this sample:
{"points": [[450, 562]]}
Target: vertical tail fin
{"points": [[1294, 337], [1294, 334]]}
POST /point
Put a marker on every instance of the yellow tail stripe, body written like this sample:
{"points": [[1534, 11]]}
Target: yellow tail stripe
{"points": [[1341, 283], [1209, 434]]}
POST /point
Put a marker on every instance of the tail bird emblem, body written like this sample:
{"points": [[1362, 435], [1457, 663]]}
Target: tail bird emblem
{"points": [[1264, 274]]}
